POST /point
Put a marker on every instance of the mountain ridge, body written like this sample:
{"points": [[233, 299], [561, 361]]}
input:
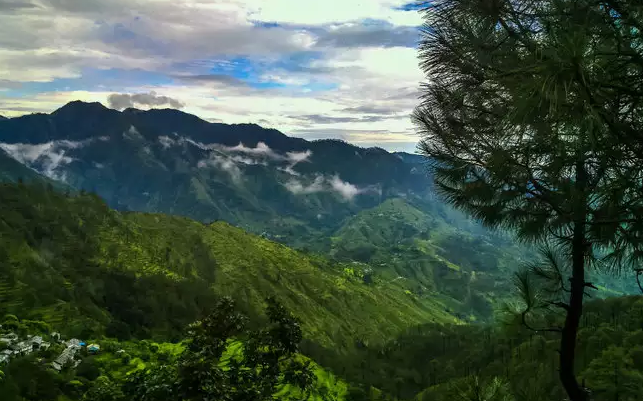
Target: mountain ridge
{"points": [[165, 160]]}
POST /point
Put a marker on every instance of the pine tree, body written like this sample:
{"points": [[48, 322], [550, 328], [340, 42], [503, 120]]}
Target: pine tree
{"points": [[531, 117]]}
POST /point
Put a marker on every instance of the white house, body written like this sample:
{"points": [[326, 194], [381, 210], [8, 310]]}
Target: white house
{"points": [[36, 341], [66, 356], [74, 342], [23, 347]]}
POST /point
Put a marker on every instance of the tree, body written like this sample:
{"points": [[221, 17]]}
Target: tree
{"points": [[532, 119], [612, 376], [225, 361], [474, 389], [103, 389]]}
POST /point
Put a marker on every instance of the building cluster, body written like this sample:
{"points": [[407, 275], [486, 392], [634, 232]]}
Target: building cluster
{"points": [[15, 346]]}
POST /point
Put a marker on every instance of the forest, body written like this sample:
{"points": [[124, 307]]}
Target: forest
{"points": [[531, 124]]}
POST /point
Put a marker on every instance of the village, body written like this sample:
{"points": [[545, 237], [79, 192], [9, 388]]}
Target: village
{"points": [[14, 346]]}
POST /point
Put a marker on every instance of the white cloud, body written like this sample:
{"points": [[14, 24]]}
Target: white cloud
{"points": [[298, 157], [299, 188], [345, 189], [132, 134], [166, 141], [329, 11], [45, 158], [247, 160], [321, 183], [289, 170], [224, 163], [260, 150], [171, 37]]}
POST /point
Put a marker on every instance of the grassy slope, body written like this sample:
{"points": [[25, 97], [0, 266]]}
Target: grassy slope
{"points": [[73, 260]]}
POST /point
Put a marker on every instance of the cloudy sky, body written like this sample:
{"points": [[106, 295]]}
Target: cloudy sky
{"points": [[310, 68]]}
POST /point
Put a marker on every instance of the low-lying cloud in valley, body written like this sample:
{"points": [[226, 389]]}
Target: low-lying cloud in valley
{"points": [[261, 154], [46, 158], [322, 183], [230, 159]]}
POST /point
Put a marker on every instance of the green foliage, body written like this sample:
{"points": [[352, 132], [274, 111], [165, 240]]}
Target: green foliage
{"points": [[129, 275], [528, 127], [208, 369], [429, 256], [443, 362]]}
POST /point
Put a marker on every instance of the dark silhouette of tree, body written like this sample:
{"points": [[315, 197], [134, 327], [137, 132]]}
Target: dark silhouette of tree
{"points": [[531, 117]]}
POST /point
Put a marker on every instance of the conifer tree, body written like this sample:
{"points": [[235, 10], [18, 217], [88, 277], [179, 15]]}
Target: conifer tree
{"points": [[532, 119]]}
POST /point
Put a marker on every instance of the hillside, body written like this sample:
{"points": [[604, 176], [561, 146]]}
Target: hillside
{"points": [[11, 170], [430, 256], [172, 162], [86, 269], [610, 358]]}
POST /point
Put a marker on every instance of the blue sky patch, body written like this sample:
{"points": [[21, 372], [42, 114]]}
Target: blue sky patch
{"points": [[93, 80], [413, 6], [252, 72]]}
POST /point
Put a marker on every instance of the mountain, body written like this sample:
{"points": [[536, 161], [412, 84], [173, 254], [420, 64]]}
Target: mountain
{"points": [[172, 162], [88, 270], [325, 196], [11, 170]]}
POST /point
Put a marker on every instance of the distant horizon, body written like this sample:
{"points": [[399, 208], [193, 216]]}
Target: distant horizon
{"points": [[341, 69], [406, 147]]}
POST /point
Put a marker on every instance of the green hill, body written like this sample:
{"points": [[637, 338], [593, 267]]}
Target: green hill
{"points": [[87, 270], [429, 256]]}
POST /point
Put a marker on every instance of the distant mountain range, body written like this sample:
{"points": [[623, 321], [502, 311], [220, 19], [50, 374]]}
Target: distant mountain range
{"points": [[172, 162]]}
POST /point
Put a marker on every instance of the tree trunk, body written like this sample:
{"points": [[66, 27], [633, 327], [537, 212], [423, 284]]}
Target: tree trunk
{"points": [[577, 291]]}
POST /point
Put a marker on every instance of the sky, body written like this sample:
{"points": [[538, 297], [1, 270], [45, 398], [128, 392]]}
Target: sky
{"points": [[315, 69]]}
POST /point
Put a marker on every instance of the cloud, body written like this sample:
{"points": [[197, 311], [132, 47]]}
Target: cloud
{"points": [[132, 134], [224, 163], [46, 158], [298, 157], [345, 189], [321, 183], [326, 119], [121, 101], [299, 188], [374, 35], [371, 109], [331, 11], [214, 78], [229, 158], [236, 61], [166, 141], [247, 160], [261, 149], [16, 5]]}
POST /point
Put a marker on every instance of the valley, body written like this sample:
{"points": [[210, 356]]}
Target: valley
{"points": [[114, 247]]}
